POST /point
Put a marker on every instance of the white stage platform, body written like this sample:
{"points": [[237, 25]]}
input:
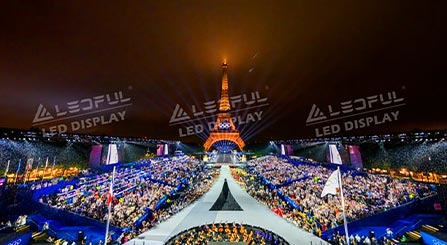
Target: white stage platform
{"points": [[254, 213]]}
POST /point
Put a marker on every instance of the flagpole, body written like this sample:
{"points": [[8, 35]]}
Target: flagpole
{"points": [[343, 205], [26, 171], [17, 172], [43, 175], [36, 169], [38, 164], [7, 168], [110, 206], [29, 166], [52, 168]]}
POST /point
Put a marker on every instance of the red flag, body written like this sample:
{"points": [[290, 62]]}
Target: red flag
{"points": [[280, 212], [110, 194], [109, 202], [29, 164]]}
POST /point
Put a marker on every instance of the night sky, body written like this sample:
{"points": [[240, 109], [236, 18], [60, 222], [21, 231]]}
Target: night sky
{"points": [[164, 53]]}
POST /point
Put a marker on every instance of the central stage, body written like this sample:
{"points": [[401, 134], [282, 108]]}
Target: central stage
{"points": [[253, 213], [221, 159], [227, 158]]}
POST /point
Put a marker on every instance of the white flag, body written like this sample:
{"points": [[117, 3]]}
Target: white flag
{"points": [[7, 168], [283, 149], [331, 185], [335, 155]]}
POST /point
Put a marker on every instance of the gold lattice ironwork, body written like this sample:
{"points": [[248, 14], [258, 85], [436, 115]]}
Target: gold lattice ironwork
{"points": [[224, 128]]}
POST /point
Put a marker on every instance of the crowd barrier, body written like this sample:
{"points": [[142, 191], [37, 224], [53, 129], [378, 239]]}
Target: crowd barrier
{"points": [[144, 217], [109, 167], [51, 189], [161, 202], [71, 219], [178, 188], [386, 218]]}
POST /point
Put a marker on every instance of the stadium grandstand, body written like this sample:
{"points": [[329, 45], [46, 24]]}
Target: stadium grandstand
{"points": [[61, 189]]}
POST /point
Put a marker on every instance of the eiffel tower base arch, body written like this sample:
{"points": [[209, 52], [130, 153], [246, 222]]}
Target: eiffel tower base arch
{"points": [[221, 136]]}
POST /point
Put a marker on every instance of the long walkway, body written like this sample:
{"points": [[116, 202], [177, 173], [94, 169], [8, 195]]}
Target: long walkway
{"points": [[254, 213], [226, 158]]}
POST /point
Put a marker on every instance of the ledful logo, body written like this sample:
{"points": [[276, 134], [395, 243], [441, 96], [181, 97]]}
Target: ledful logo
{"points": [[353, 108], [81, 108], [246, 102]]}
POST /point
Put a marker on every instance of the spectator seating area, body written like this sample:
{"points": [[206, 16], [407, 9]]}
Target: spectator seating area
{"points": [[199, 185], [132, 194], [144, 194], [148, 192], [293, 190]]}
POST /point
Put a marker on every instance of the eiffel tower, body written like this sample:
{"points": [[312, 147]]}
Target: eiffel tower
{"points": [[224, 128]]}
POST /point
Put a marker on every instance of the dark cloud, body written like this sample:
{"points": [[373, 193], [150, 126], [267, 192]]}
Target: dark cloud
{"points": [[296, 53]]}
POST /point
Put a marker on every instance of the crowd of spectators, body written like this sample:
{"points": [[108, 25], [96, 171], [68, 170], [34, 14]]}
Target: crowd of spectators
{"points": [[132, 193], [6, 225], [20, 221], [268, 179], [172, 171], [198, 185], [277, 170], [136, 191], [356, 239], [365, 194]]}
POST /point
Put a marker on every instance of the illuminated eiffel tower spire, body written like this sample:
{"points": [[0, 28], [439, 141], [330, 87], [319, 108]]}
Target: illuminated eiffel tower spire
{"points": [[224, 104], [224, 129]]}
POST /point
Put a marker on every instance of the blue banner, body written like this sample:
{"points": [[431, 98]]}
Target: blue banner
{"points": [[431, 240], [21, 240], [51, 189], [161, 202], [145, 216]]}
